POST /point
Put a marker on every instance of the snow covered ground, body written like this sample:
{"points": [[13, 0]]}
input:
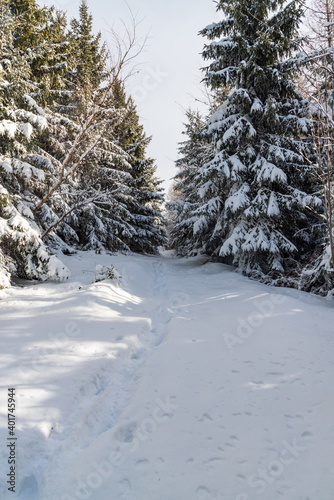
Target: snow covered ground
{"points": [[184, 381]]}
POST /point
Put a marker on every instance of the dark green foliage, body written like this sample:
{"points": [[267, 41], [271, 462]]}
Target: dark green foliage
{"points": [[185, 210], [145, 195], [89, 57], [73, 165], [254, 192]]}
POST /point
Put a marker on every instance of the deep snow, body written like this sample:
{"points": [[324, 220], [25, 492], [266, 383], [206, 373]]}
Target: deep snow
{"points": [[182, 381]]}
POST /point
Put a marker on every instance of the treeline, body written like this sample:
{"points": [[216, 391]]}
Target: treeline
{"points": [[255, 179], [74, 172]]}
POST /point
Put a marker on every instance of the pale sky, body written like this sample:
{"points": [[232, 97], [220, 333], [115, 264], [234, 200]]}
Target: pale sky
{"points": [[169, 77]]}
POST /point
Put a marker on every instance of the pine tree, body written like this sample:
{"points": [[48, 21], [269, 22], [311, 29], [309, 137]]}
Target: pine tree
{"points": [[145, 195], [186, 210], [40, 34], [98, 215], [145, 208], [32, 78], [32, 17], [22, 251], [89, 57], [256, 190]]}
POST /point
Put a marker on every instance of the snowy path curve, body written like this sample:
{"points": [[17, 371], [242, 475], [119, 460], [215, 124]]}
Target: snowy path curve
{"points": [[187, 382]]}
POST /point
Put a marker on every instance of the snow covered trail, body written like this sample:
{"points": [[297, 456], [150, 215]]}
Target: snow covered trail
{"points": [[185, 382]]}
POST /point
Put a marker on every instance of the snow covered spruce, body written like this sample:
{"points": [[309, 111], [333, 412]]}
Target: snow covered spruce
{"points": [[247, 189], [73, 166]]}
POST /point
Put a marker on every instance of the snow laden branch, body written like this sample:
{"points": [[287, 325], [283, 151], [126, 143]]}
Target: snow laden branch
{"points": [[316, 60], [83, 200]]}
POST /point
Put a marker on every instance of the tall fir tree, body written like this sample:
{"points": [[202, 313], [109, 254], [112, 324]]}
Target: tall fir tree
{"points": [[73, 165], [89, 57], [186, 210], [257, 189], [22, 251], [145, 197], [40, 34]]}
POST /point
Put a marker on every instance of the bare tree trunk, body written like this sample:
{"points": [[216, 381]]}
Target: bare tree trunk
{"points": [[329, 79], [321, 81]]}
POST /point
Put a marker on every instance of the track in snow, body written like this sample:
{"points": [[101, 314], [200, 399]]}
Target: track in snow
{"points": [[189, 382]]}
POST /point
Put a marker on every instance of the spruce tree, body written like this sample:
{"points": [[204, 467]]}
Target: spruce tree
{"points": [[73, 169], [89, 57], [32, 17], [257, 189], [40, 34], [22, 169], [100, 217], [186, 210], [145, 196]]}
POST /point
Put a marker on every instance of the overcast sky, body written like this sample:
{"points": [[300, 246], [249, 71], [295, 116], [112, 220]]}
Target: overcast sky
{"points": [[169, 76]]}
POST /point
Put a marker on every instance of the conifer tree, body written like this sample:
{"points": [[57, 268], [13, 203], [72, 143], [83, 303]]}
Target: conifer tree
{"points": [[257, 189], [89, 57], [40, 34], [145, 196], [73, 169], [21, 120], [102, 172], [116, 180], [186, 210]]}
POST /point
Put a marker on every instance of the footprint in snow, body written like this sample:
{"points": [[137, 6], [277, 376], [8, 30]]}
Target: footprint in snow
{"points": [[205, 417], [307, 435], [126, 433], [28, 489], [203, 493], [141, 464], [125, 490]]}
